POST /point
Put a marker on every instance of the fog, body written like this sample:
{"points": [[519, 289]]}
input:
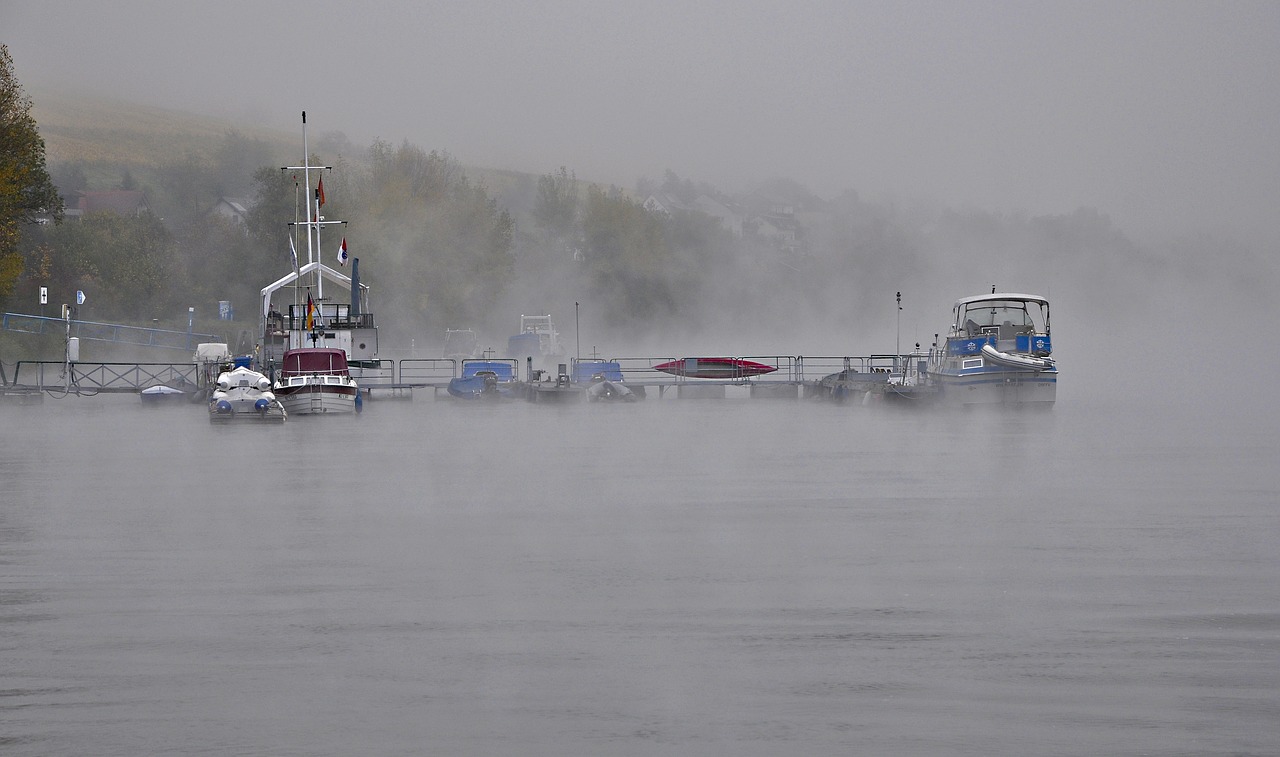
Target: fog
{"points": [[743, 576], [1159, 116]]}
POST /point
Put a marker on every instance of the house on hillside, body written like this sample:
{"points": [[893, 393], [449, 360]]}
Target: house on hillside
{"points": [[233, 208], [121, 202], [666, 203]]}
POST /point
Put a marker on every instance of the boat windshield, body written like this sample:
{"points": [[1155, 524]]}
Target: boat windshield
{"points": [[1019, 315]]}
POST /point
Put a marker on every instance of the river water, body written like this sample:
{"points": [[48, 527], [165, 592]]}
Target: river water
{"points": [[734, 577]]}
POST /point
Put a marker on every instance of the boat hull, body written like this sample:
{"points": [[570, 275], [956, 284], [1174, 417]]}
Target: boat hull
{"points": [[714, 368], [993, 385], [319, 399], [247, 410]]}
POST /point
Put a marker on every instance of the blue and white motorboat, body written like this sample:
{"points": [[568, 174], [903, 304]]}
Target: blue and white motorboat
{"points": [[484, 379], [998, 352]]}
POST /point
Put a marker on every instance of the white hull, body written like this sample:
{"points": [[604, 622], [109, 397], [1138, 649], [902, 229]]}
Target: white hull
{"points": [[1001, 387], [319, 399]]}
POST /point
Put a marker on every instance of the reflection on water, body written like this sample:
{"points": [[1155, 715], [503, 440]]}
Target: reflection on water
{"points": [[690, 577]]}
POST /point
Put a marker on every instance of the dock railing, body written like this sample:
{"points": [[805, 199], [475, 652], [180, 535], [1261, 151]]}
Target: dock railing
{"points": [[141, 336], [373, 373], [791, 369], [103, 377], [432, 372]]}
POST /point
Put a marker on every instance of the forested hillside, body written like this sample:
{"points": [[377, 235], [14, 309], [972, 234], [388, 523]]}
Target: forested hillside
{"points": [[658, 264]]}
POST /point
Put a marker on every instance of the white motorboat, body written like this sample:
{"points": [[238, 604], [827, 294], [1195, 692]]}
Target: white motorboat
{"points": [[243, 394], [998, 352], [317, 381]]}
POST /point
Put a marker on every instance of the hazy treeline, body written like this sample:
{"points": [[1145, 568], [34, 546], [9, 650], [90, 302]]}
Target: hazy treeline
{"points": [[440, 250]]}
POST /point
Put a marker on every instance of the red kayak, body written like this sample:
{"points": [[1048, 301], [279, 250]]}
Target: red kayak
{"points": [[714, 367]]}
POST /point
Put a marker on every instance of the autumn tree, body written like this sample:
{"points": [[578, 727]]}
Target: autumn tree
{"points": [[627, 256], [26, 191], [445, 237], [556, 207], [126, 263]]}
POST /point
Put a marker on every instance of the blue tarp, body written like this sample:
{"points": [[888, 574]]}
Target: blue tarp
{"points": [[502, 370], [584, 370]]}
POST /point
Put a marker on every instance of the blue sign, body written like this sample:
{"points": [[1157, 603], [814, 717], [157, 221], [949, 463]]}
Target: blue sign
{"points": [[79, 297]]}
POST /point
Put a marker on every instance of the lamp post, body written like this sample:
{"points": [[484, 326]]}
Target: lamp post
{"points": [[897, 344]]}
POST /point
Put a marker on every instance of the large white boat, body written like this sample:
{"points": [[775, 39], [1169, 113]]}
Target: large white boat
{"points": [[539, 340], [998, 352], [308, 320]]}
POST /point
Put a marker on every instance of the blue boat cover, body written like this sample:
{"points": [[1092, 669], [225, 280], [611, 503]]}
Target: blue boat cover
{"points": [[585, 369], [504, 371]]}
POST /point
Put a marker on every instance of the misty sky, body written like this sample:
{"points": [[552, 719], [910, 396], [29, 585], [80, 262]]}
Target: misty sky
{"points": [[1162, 115]]}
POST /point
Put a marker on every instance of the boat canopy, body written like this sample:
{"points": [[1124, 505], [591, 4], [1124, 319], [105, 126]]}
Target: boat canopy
{"points": [[1003, 296], [1006, 313], [314, 360], [328, 273]]}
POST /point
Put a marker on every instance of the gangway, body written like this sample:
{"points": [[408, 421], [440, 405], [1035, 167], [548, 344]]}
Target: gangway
{"points": [[117, 333], [93, 377]]}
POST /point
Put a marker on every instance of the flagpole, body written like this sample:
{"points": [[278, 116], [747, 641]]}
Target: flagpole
{"points": [[314, 198], [293, 247]]}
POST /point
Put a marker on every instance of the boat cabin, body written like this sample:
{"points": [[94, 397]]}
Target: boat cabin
{"points": [[1009, 322], [320, 361]]}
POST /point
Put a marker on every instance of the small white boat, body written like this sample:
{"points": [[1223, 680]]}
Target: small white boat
{"points": [[1015, 360], [161, 394], [243, 394]]}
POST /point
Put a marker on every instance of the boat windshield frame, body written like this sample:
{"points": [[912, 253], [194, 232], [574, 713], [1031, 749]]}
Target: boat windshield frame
{"points": [[973, 315]]}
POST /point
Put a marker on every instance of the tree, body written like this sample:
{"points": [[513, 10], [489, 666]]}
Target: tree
{"points": [[556, 209], [26, 191], [125, 262], [628, 259]]}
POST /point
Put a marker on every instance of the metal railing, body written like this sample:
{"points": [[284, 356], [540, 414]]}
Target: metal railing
{"points": [[427, 371], [141, 336], [103, 377]]}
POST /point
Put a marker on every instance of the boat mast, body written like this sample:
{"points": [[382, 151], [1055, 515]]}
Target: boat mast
{"points": [[313, 211], [313, 215]]}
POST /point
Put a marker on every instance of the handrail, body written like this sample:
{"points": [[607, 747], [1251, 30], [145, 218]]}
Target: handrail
{"points": [[426, 371], [106, 376], [143, 336]]}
